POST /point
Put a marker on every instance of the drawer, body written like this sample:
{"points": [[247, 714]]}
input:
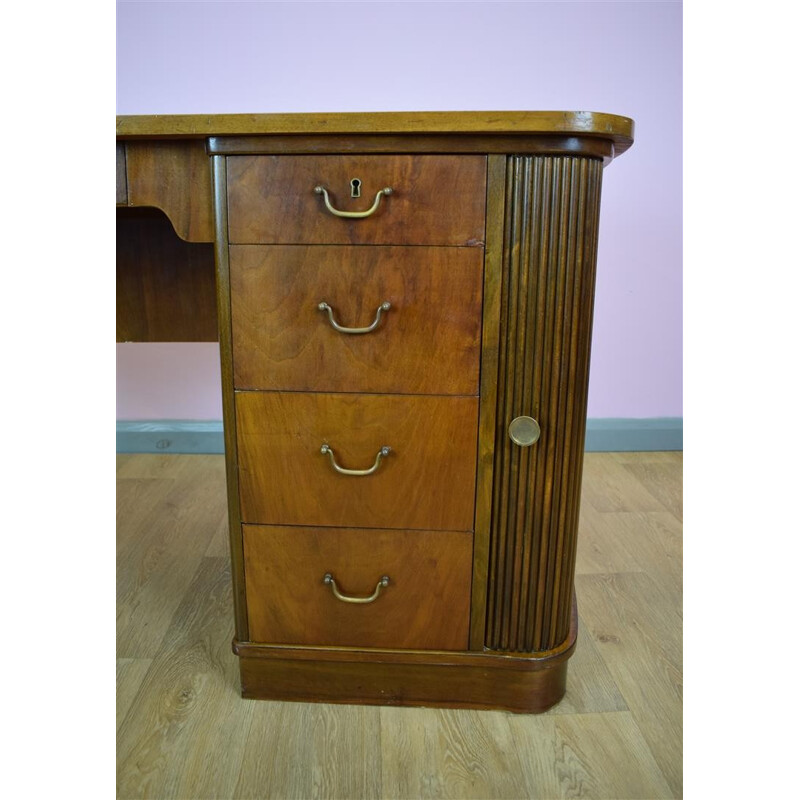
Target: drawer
{"points": [[438, 200], [427, 480], [425, 604], [428, 342]]}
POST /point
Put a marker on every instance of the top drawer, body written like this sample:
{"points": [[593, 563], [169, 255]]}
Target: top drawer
{"points": [[435, 200]]}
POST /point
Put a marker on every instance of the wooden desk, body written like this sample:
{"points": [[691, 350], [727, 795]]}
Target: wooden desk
{"points": [[478, 252]]}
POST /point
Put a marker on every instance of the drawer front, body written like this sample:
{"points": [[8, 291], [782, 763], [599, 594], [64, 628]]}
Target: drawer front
{"points": [[438, 200], [428, 342], [425, 604], [427, 481]]}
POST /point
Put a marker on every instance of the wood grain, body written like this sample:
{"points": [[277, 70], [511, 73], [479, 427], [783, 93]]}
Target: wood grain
{"points": [[490, 347], [658, 474], [175, 177], [629, 541], [636, 624], [170, 745], [427, 343], [551, 221], [437, 678], [591, 755], [279, 439], [130, 674], [219, 182], [617, 129], [478, 144], [158, 561], [219, 546], [165, 286], [446, 753], [590, 687], [435, 683], [185, 734], [122, 178], [425, 605], [290, 752], [435, 200], [605, 491], [157, 466]]}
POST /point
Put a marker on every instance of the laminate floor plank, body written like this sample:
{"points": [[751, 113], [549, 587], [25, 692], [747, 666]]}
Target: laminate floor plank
{"points": [[155, 465], [154, 498], [590, 686], [669, 458], [630, 541], [130, 674], [607, 486], [157, 560], [185, 733], [448, 753], [134, 497], [587, 755], [304, 750], [219, 546], [672, 458], [662, 479], [635, 622]]}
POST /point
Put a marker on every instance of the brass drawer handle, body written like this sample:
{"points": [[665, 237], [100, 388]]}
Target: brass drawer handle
{"points": [[382, 453], [385, 306], [329, 581], [352, 214]]}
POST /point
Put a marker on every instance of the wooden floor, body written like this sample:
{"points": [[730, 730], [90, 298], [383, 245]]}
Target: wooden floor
{"points": [[184, 731]]}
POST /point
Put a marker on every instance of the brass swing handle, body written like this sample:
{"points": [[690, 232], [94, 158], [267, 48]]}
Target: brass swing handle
{"points": [[329, 581], [382, 453], [352, 214], [385, 306]]}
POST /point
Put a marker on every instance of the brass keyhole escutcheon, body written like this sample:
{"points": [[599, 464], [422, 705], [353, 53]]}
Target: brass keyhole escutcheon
{"points": [[524, 431], [355, 188]]}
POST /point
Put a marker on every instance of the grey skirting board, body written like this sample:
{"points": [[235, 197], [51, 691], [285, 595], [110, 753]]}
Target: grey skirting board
{"points": [[602, 435]]}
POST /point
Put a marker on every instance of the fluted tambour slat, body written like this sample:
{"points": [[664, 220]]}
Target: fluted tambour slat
{"points": [[550, 247]]}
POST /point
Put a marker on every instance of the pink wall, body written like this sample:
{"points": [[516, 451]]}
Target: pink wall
{"points": [[617, 57]]}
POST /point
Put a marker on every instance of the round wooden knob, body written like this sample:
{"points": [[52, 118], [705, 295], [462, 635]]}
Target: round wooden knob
{"points": [[524, 431]]}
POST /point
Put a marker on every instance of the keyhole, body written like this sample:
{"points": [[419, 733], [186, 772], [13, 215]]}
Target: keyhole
{"points": [[355, 188]]}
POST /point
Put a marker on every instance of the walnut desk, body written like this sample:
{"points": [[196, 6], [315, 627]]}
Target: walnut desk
{"points": [[404, 310]]}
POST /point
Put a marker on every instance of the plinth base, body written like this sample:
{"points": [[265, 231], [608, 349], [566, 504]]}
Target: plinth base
{"points": [[523, 683]]}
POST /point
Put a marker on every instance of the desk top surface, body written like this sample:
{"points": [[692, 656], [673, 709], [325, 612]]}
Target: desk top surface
{"points": [[521, 123]]}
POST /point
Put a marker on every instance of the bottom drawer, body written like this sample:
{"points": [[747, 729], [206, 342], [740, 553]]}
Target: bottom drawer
{"points": [[424, 605]]}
